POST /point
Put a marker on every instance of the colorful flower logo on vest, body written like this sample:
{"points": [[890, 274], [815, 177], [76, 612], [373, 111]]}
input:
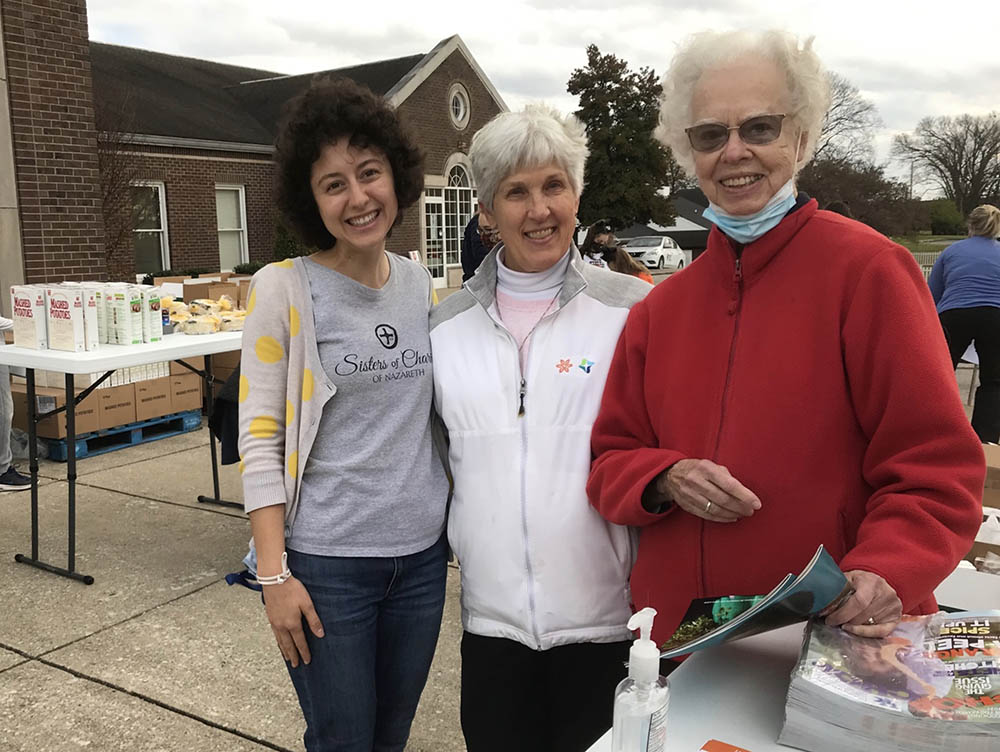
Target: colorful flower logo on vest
{"points": [[586, 365], [564, 365]]}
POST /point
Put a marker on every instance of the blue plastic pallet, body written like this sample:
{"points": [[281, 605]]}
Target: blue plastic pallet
{"points": [[131, 434]]}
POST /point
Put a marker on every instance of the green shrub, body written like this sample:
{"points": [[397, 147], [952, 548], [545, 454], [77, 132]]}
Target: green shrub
{"points": [[248, 268], [945, 218], [287, 245]]}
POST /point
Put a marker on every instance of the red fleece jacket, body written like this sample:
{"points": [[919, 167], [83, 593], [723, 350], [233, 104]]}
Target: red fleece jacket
{"points": [[818, 374]]}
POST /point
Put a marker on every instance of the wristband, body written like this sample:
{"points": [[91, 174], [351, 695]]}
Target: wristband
{"points": [[277, 579]]}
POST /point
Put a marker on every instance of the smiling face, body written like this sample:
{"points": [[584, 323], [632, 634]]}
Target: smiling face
{"points": [[535, 212], [355, 196], [739, 177]]}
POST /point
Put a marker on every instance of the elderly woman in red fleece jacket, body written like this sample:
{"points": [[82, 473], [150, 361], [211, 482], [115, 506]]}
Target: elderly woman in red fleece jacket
{"points": [[802, 392]]}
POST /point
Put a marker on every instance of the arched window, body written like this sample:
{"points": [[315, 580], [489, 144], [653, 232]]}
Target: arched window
{"points": [[459, 206]]}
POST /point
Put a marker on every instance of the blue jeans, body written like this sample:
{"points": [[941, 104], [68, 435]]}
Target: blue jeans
{"points": [[381, 618]]}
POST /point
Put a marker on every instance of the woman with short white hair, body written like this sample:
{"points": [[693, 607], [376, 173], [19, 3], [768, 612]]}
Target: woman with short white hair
{"points": [[521, 353], [791, 387]]}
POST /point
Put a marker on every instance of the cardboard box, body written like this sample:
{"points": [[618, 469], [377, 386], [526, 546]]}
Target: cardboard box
{"points": [[991, 498], [159, 280], [225, 360], [185, 392], [152, 398], [232, 289], [244, 292], [117, 405], [992, 452], [197, 361], [48, 398], [222, 374]]}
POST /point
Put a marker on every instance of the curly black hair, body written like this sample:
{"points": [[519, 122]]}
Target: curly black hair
{"points": [[329, 110]]}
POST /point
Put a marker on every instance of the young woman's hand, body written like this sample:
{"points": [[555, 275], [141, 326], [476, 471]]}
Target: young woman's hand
{"points": [[286, 605]]}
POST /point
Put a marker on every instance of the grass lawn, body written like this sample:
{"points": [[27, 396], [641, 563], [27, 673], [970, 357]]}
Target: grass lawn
{"points": [[927, 243]]}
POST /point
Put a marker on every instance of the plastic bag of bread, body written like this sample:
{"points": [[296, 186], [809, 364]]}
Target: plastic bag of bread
{"points": [[233, 322], [226, 303], [203, 324], [203, 306], [179, 317]]}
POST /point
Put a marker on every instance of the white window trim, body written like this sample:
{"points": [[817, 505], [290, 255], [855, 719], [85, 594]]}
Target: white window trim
{"points": [[458, 89], [165, 233], [244, 247], [442, 281]]}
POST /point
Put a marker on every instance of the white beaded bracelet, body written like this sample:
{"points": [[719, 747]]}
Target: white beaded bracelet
{"points": [[277, 579]]}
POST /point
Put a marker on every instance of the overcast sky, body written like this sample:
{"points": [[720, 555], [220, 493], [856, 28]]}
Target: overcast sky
{"points": [[911, 59]]}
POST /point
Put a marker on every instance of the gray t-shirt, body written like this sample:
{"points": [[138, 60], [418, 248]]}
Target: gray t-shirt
{"points": [[373, 484]]}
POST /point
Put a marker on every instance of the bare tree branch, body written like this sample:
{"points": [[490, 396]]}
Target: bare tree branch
{"points": [[960, 155], [850, 124], [114, 117]]}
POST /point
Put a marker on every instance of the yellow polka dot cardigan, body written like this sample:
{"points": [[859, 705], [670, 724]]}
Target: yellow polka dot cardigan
{"points": [[283, 387]]}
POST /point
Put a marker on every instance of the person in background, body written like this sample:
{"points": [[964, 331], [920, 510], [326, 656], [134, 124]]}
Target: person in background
{"points": [[478, 240], [965, 283], [840, 207], [802, 392], [345, 492], [520, 357], [10, 478], [599, 244], [622, 263]]}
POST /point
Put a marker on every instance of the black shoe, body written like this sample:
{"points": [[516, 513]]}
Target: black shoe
{"points": [[12, 480]]}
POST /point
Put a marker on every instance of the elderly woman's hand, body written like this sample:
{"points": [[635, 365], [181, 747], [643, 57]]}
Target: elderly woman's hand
{"points": [[873, 610], [707, 490]]}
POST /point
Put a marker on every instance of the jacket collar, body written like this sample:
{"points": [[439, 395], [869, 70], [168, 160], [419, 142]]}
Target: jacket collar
{"points": [[483, 284], [755, 256]]}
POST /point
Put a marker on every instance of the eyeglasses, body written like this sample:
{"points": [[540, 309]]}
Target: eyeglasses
{"points": [[756, 131]]}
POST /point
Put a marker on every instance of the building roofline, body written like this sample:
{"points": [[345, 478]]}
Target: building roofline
{"points": [[196, 143], [430, 63]]}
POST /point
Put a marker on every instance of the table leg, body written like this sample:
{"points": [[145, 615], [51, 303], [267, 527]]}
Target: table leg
{"points": [[33, 458], [70, 478], [216, 499]]}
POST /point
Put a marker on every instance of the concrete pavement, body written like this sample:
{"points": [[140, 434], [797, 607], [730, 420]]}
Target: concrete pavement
{"points": [[159, 653]]}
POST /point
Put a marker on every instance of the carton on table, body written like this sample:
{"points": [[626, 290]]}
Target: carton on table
{"points": [[30, 318], [64, 307]]}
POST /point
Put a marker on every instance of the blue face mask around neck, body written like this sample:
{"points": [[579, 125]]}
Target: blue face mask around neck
{"points": [[746, 229]]}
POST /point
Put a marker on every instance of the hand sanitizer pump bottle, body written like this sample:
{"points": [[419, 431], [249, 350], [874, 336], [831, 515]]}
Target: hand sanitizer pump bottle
{"points": [[640, 716]]}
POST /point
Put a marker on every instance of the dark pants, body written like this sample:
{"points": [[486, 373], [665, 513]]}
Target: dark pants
{"points": [[555, 700], [980, 325], [381, 618]]}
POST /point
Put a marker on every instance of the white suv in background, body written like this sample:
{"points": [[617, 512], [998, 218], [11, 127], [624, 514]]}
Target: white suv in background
{"points": [[656, 252]]}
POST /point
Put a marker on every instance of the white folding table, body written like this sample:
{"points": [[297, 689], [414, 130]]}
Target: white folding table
{"points": [[736, 692], [107, 358]]}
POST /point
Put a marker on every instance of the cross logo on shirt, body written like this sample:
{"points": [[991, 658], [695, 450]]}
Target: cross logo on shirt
{"points": [[386, 336]]}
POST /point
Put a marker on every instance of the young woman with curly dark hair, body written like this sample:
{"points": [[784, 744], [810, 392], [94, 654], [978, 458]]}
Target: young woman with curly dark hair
{"points": [[345, 492]]}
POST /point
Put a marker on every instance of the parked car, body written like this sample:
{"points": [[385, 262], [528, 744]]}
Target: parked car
{"points": [[656, 252]]}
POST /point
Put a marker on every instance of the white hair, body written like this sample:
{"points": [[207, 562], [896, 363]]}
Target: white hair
{"points": [[534, 137], [808, 86]]}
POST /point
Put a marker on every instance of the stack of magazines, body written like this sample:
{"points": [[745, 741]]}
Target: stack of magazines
{"points": [[933, 685]]}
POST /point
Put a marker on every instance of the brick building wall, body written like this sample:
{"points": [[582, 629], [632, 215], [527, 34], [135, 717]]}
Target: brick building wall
{"points": [[55, 143], [189, 179], [426, 111]]}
